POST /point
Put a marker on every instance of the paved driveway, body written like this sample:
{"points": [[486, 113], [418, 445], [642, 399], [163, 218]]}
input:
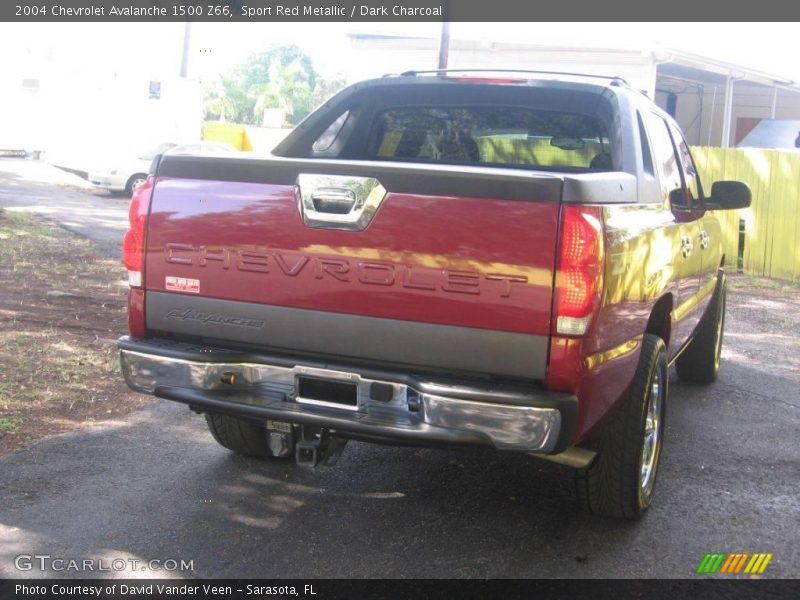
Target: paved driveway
{"points": [[72, 202]]}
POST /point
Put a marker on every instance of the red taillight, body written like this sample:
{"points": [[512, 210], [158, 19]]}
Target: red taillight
{"points": [[133, 251], [579, 278], [136, 321], [133, 242]]}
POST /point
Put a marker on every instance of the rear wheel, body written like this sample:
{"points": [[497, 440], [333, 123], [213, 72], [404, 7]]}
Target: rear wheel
{"points": [[621, 481], [699, 362], [134, 182], [249, 438]]}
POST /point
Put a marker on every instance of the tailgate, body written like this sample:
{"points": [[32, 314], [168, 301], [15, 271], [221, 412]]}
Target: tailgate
{"points": [[445, 268]]}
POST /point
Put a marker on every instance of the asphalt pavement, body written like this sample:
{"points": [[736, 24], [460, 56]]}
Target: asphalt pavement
{"points": [[155, 486], [72, 202]]}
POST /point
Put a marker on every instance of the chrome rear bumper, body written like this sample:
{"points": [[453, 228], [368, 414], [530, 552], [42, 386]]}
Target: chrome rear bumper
{"points": [[406, 410]]}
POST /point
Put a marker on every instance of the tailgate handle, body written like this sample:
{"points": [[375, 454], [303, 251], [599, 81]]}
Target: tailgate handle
{"points": [[346, 202], [333, 200]]}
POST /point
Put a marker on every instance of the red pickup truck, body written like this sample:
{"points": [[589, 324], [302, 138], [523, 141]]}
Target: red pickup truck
{"points": [[503, 260]]}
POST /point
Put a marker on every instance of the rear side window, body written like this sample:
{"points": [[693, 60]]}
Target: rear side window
{"points": [[666, 159], [693, 185], [325, 141], [647, 158], [501, 136]]}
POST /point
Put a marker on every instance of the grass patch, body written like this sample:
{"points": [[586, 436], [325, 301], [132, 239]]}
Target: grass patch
{"points": [[9, 423], [740, 282], [57, 351]]}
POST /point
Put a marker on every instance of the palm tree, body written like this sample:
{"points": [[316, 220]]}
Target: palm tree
{"points": [[282, 77], [220, 101]]}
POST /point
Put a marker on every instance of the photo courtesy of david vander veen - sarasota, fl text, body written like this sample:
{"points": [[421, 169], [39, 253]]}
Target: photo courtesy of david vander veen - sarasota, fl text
{"points": [[148, 590]]}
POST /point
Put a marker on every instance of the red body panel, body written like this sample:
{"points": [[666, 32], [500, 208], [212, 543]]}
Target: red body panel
{"points": [[471, 262], [136, 321], [638, 272]]}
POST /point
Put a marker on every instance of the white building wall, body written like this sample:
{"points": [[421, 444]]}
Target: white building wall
{"points": [[749, 101], [376, 56], [700, 111], [92, 100]]}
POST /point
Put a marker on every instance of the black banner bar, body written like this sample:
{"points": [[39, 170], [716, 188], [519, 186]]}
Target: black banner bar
{"points": [[280, 11], [342, 589]]}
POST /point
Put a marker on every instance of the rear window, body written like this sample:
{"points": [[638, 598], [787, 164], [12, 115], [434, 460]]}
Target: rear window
{"points": [[493, 136]]}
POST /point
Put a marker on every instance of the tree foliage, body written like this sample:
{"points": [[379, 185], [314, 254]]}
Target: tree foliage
{"points": [[281, 77]]}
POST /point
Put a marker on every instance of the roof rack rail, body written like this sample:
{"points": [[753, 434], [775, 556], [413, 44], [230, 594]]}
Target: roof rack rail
{"points": [[611, 78]]}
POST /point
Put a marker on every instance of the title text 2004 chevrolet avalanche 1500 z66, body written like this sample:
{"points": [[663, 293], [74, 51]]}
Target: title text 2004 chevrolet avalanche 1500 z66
{"points": [[438, 259]]}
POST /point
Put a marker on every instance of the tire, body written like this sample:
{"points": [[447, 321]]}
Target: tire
{"points": [[248, 438], [699, 362], [134, 182], [621, 481]]}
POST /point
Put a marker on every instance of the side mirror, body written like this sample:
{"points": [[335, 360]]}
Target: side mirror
{"points": [[728, 195]]}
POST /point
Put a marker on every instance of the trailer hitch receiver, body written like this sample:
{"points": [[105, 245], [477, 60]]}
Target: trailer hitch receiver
{"points": [[318, 446]]}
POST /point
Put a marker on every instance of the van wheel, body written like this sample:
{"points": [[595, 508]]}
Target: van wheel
{"points": [[699, 362], [621, 481], [245, 437], [134, 182]]}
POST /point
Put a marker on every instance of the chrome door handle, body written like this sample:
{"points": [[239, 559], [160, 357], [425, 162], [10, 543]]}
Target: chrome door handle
{"points": [[705, 240], [686, 246], [337, 201]]}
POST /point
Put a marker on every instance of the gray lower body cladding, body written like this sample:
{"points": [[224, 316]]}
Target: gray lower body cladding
{"points": [[427, 345]]}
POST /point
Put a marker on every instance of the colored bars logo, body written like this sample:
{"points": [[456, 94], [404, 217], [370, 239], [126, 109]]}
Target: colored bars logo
{"points": [[732, 564]]}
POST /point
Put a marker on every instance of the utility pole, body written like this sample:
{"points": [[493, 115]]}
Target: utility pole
{"points": [[187, 42], [444, 45]]}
